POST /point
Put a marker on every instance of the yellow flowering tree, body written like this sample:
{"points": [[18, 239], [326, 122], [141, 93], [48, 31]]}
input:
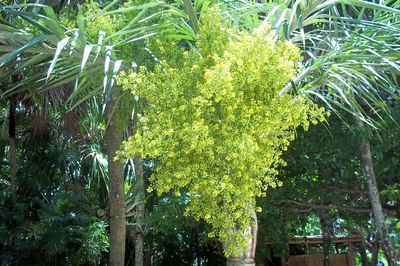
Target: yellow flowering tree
{"points": [[215, 124]]}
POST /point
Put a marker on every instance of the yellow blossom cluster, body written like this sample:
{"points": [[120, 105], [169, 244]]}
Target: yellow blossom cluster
{"points": [[214, 123]]}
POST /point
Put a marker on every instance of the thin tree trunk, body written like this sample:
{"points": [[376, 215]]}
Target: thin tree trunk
{"points": [[139, 247], [196, 244], [139, 214], [113, 137], [377, 210], [13, 152], [363, 247], [2, 152], [326, 237], [363, 253], [248, 256], [374, 252]]}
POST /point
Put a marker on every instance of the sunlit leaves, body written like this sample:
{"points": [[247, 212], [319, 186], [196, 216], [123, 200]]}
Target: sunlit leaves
{"points": [[215, 124]]}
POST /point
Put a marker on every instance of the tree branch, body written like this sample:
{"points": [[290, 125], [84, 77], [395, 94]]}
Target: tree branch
{"points": [[312, 206]]}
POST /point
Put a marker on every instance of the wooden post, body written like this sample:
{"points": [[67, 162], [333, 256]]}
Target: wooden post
{"points": [[350, 255]]}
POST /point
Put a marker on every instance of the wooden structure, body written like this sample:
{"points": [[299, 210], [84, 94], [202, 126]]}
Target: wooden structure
{"points": [[317, 259]]}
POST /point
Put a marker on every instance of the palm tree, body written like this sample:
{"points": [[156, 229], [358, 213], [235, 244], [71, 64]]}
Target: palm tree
{"points": [[50, 57]]}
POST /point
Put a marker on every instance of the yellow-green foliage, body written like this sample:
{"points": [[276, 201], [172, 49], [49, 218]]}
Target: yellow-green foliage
{"points": [[113, 25], [106, 23], [215, 123]]}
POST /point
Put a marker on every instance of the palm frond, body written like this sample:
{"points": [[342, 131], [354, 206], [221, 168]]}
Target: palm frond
{"points": [[50, 56]]}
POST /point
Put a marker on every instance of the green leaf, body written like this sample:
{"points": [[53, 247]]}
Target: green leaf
{"points": [[99, 43], [86, 54], [191, 13], [53, 22], [12, 55], [60, 46], [359, 3]]}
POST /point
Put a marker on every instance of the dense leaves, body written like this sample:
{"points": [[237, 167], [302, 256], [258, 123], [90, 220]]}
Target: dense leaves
{"points": [[216, 129]]}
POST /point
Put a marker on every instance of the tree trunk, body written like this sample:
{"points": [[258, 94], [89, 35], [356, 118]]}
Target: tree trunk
{"points": [[139, 247], [2, 152], [139, 214], [363, 253], [374, 252], [113, 137], [13, 152], [326, 237], [377, 210], [248, 256], [196, 245]]}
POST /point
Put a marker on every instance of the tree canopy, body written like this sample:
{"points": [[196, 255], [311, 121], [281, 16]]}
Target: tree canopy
{"points": [[214, 123]]}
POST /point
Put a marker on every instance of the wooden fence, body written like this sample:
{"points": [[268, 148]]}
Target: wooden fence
{"points": [[317, 259], [346, 259]]}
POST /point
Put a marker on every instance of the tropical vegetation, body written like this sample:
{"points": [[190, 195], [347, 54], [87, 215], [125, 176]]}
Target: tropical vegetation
{"points": [[188, 132]]}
